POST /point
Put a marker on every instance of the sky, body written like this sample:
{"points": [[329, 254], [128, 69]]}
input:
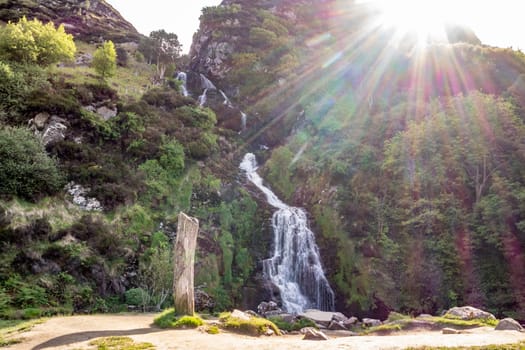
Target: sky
{"points": [[497, 23]]}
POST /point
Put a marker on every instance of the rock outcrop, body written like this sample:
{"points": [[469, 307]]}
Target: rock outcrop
{"points": [[509, 324], [469, 313], [89, 20]]}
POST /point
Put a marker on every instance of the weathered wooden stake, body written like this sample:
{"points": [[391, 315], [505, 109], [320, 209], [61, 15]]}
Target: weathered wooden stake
{"points": [[184, 260]]}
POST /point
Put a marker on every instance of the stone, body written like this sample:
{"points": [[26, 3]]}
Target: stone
{"points": [[54, 132], [337, 326], [509, 324], [322, 318], [79, 194], [450, 331], [350, 321], [269, 308], [371, 322], [107, 113], [269, 332], [40, 120], [313, 334], [339, 317], [424, 316], [469, 313], [203, 301], [240, 315]]}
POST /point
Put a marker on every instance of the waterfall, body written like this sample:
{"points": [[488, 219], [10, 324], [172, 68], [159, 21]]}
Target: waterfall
{"points": [[295, 267], [206, 83], [202, 98], [181, 76], [226, 99], [244, 118]]}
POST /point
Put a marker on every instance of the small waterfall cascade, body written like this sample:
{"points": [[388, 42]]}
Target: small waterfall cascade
{"points": [[206, 85], [295, 267], [181, 76], [244, 118], [227, 101]]}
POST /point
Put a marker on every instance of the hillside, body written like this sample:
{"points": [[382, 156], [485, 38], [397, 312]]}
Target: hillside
{"points": [[407, 159], [87, 20]]}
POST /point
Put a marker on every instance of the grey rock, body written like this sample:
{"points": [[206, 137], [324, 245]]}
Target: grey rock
{"points": [[54, 132], [337, 326], [269, 308], [350, 321], [450, 331], [40, 120], [339, 317], [371, 322], [509, 324], [313, 334], [424, 316], [79, 194], [322, 317], [469, 313], [107, 113], [240, 315]]}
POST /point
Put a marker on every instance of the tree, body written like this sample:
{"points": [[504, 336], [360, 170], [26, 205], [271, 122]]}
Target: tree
{"points": [[25, 168], [162, 48], [105, 60], [35, 42]]}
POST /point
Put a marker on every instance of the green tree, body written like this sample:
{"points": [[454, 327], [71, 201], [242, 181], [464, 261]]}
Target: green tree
{"points": [[105, 60], [35, 42], [163, 48], [25, 168]]}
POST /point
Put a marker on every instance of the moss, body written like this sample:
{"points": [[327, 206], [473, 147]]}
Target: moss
{"points": [[451, 321], [120, 343], [384, 328], [255, 326], [168, 319], [292, 326], [213, 330]]}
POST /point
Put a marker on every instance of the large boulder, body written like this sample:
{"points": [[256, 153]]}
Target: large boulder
{"points": [[269, 308], [371, 322], [323, 318], [469, 313], [311, 333], [509, 324]]}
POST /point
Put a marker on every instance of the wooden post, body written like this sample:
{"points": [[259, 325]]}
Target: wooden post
{"points": [[184, 260]]}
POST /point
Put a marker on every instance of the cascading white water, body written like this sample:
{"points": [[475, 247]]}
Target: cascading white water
{"points": [[181, 76], [227, 101], [202, 98], [244, 118], [295, 267]]}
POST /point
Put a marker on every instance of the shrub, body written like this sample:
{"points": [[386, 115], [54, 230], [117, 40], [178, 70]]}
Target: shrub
{"points": [[254, 326], [136, 296], [105, 60], [25, 168], [292, 326], [213, 330], [35, 42], [167, 319]]}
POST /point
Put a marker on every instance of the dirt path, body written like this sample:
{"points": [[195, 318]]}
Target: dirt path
{"points": [[76, 332]]}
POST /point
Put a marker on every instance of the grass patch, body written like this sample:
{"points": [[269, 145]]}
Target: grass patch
{"points": [[167, 319], [254, 326], [120, 343], [450, 321], [384, 328], [516, 346], [10, 328], [213, 330], [292, 326]]}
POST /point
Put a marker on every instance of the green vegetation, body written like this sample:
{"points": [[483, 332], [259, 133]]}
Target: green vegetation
{"points": [[26, 170], [9, 330], [167, 319], [34, 42], [293, 326], [105, 60], [255, 326], [120, 343], [445, 321]]}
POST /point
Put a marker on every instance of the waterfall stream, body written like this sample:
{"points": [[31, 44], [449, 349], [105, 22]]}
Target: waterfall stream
{"points": [[295, 267], [181, 76]]}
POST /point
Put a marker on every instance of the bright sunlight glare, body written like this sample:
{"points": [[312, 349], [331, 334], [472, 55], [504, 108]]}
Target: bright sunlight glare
{"points": [[423, 18]]}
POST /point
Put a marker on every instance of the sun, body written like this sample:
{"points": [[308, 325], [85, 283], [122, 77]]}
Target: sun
{"points": [[424, 19]]}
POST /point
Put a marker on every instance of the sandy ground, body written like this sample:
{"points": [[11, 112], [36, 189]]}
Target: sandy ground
{"points": [[76, 332]]}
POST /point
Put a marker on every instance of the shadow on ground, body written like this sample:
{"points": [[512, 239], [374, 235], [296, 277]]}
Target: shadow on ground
{"points": [[85, 336]]}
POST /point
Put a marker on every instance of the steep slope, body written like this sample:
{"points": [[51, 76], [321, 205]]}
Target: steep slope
{"points": [[87, 20], [363, 132]]}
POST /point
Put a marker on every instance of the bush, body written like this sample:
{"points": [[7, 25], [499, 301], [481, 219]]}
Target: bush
{"points": [[136, 296], [25, 168], [292, 326], [35, 42], [105, 60], [167, 319], [254, 326]]}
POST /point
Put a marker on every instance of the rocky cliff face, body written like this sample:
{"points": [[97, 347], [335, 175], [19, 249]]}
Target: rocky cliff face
{"points": [[90, 20]]}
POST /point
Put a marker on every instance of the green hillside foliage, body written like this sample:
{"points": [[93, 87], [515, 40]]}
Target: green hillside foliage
{"points": [[105, 60]]}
